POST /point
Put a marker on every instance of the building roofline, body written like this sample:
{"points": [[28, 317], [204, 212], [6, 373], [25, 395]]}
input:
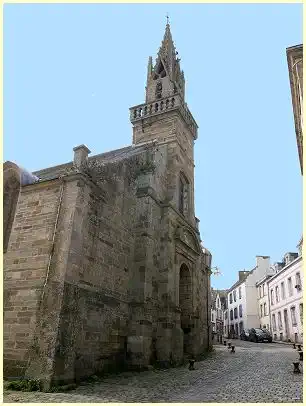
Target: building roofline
{"points": [[299, 258], [266, 277], [292, 48]]}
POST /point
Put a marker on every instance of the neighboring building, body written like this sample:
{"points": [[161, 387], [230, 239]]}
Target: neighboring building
{"points": [[103, 266], [291, 327], [263, 306], [242, 298], [286, 299], [218, 301], [225, 319], [295, 66]]}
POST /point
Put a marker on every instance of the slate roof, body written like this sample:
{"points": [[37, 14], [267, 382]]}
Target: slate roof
{"points": [[106, 157]]}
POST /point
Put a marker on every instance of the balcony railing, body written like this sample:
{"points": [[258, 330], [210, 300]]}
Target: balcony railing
{"points": [[161, 106]]}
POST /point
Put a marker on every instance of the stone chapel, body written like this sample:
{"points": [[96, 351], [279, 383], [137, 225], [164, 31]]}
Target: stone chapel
{"points": [[103, 262]]}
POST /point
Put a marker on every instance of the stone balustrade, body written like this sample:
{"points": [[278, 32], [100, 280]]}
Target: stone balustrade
{"points": [[161, 106]]}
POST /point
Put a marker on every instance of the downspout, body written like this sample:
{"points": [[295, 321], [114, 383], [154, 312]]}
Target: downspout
{"points": [[53, 237], [270, 317], [52, 247]]}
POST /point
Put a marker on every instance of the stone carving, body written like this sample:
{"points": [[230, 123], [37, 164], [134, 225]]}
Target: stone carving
{"points": [[188, 238]]}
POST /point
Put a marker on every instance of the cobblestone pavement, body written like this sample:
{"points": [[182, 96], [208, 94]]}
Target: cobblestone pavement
{"points": [[254, 373]]}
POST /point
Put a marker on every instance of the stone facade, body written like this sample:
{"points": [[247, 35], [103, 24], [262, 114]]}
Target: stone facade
{"points": [[295, 66], [104, 267], [242, 298], [285, 289]]}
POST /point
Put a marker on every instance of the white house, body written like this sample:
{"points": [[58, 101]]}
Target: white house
{"points": [[285, 291], [263, 306], [218, 299], [242, 298]]}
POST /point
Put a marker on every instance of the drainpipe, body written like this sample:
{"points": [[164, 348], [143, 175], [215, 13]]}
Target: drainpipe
{"points": [[270, 316], [52, 247], [53, 237]]}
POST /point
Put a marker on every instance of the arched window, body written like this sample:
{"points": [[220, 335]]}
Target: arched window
{"points": [[158, 90], [11, 190]]}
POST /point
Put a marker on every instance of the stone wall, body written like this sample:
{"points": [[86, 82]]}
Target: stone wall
{"points": [[111, 298], [25, 267], [95, 312]]}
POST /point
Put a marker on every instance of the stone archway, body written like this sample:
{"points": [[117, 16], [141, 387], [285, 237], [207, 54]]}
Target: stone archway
{"points": [[185, 303], [11, 190]]}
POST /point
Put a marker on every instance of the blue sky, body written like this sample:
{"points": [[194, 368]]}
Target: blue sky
{"points": [[71, 72]]}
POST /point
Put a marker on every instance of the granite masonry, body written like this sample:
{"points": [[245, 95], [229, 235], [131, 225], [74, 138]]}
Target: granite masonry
{"points": [[103, 264]]}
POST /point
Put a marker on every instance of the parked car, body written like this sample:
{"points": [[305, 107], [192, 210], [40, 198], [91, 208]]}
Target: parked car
{"points": [[245, 334], [259, 335]]}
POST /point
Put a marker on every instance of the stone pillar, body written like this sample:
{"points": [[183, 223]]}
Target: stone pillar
{"points": [[170, 337], [139, 340]]}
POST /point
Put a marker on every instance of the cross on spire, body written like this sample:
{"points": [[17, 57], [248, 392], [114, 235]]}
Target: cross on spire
{"points": [[167, 17]]}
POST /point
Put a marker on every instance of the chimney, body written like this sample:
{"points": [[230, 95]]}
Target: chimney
{"points": [[243, 275], [80, 155]]}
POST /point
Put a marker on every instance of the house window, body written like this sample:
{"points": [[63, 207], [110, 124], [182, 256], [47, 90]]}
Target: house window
{"points": [[183, 195], [265, 309], [272, 297], [298, 283], [283, 290], [293, 316], [301, 313], [225, 315], [235, 296], [261, 314], [231, 298], [280, 324], [277, 294], [263, 289], [235, 313], [273, 322], [240, 310], [240, 295], [231, 315], [290, 290]]}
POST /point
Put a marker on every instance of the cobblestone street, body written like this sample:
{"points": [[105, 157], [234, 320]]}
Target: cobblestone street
{"points": [[254, 373]]}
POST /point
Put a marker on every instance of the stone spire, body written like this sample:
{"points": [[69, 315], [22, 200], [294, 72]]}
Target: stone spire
{"points": [[165, 97], [165, 78], [167, 50]]}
